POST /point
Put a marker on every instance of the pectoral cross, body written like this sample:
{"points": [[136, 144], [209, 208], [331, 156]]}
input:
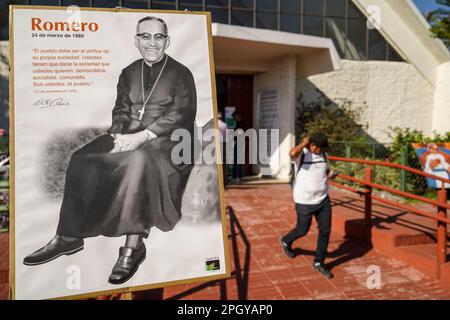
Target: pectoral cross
{"points": [[141, 112]]}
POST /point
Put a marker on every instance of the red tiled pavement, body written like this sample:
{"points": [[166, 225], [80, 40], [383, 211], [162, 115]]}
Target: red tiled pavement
{"points": [[4, 265], [260, 215], [264, 213], [4, 259]]}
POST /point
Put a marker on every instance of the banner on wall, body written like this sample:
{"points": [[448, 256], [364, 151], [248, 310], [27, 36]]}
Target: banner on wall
{"points": [[434, 159], [268, 118], [100, 201]]}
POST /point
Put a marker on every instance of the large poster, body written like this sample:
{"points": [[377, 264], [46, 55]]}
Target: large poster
{"points": [[434, 159], [109, 190]]}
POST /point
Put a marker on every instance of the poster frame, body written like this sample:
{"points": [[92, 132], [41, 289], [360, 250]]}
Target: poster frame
{"points": [[130, 289]]}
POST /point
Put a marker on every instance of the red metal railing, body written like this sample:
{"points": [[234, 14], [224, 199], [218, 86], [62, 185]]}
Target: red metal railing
{"points": [[441, 203]]}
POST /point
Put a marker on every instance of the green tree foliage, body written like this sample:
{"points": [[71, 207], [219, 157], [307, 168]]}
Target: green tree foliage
{"points": [[439, 20], [338, 122], [4, 145], [403, 137]]}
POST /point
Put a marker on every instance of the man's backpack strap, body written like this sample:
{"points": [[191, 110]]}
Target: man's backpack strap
{"points": [[300, 163], [295, 170]]}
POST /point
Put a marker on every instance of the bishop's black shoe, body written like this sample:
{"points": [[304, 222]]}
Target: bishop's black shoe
{"points": [[57, 247], [127, 264], [320, 267]]}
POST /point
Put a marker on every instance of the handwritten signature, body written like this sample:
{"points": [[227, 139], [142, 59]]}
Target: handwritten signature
{"points": [[44, 103]]}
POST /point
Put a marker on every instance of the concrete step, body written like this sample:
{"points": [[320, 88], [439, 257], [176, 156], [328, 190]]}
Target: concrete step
{"points": [[395, 233], [391, 226], [423, 257]]}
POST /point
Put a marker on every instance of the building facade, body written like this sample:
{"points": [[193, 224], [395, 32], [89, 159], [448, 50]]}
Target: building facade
{"points": [[273, 55]]}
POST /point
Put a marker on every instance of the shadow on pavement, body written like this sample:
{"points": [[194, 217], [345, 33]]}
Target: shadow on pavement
{"points": [[240, 273]]}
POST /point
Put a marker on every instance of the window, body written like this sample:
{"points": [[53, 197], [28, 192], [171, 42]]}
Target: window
{"points": [[266, 20], [135, 4], [290, 6], [356, 36], [393, 54], [163, 5], [4, 23], [335, 29], [45, 2], [191, 7], [242, 4], [242, 18], [194, 2], [336, 8], [219, 15], [339, 20], [313, 7], [222, 3], [267, 5], [290, 23], [353, 11], [105, 3], [80, 3], [377, 46], [313, 26]]}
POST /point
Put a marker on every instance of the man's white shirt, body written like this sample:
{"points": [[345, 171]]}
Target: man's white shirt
{"points": [[311, 181]]}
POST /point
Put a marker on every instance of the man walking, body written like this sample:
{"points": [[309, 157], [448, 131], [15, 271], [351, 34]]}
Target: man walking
{"points": [[311, 196]]}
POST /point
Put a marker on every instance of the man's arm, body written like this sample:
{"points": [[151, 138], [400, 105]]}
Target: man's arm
{"points": [[297, 150], [132, 141], [122, 109], [182, 113]]}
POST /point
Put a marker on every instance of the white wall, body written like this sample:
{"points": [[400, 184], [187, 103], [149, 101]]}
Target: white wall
{"points": [[395, 94], [281, 76], [441, 112]]}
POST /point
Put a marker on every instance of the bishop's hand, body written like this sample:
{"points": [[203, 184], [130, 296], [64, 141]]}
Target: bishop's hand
{"points": [[129, 142]]}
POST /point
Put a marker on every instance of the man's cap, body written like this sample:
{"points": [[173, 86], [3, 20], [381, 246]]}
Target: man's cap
{"points": [[320, 140]]}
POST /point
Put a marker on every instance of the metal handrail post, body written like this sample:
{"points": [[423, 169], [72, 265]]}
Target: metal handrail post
{"points": [[442, 228]]}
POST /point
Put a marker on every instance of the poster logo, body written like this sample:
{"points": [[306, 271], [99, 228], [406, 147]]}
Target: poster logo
{"points": [[212, 264]]}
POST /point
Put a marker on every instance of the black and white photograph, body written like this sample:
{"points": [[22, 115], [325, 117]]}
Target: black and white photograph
{"points": [[102, 199]]}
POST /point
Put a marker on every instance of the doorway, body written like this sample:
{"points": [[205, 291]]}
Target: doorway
{"points": [[237, 91]]}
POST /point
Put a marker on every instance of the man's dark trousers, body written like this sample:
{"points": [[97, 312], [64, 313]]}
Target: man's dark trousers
{"points": [[322, 212]]}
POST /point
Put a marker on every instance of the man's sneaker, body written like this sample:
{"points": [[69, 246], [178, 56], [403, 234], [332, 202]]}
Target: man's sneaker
{"points": [[320, 267], [287, 249]]}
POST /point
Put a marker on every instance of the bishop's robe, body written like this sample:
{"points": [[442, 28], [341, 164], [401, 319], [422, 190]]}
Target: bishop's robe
{"points": [[114, 194]]}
